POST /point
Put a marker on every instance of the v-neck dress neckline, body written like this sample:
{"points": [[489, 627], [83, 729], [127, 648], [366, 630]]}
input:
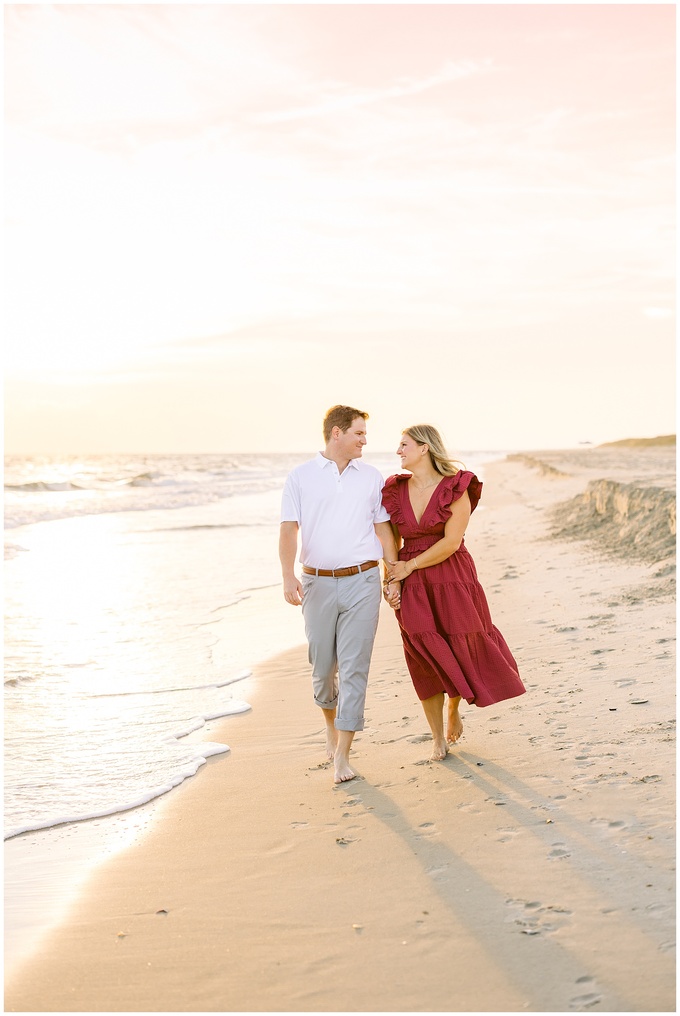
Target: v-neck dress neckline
{"points": [[417, 520]]}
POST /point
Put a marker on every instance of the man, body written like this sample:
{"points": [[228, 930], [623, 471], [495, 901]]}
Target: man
{"points": [[335, 502]]}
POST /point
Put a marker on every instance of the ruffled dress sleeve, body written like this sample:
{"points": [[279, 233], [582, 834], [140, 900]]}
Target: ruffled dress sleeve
{"points": [[391, 498], [453, 488]]}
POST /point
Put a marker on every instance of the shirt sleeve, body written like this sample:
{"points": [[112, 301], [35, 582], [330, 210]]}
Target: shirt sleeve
{"points": [[291, 509], [380, 513]]}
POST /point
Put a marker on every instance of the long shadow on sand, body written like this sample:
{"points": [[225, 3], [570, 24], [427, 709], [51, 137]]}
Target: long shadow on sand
{"points": [[548, 973]]}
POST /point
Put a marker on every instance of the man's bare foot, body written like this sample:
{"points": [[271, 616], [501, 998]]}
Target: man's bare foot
{"points": [[343, 773], [440, 749], [331, 742], [454, 726]]}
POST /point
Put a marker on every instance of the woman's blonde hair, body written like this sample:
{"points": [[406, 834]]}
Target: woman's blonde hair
{"points": [[425, 433]]}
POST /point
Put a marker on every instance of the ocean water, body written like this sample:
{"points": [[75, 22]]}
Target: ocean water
{"points": [[139, 592]]}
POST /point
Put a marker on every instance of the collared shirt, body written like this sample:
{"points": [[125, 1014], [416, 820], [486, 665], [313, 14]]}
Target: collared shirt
{"points": [[336, 511]]}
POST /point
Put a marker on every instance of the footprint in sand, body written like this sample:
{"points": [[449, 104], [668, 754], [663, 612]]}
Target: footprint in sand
{"points": [[582, 1002], [507, 833], [658, 909], [557, 853], [438, 874], [428, 829], [602, 823], [536, 918]]}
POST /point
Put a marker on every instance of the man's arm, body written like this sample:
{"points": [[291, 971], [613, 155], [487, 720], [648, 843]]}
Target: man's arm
{"points": [[288, 540], [385, 533]]}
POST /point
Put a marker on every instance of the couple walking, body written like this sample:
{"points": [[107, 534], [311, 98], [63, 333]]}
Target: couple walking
{"points": [[348, 519]]}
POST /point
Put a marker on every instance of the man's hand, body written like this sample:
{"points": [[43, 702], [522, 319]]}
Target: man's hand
{"points": [[292, 588], [392, 593], [292, 591]]}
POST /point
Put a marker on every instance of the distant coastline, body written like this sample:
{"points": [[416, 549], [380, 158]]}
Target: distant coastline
{"points": [[640, 442]]}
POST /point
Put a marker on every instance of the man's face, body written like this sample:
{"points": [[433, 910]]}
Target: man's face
{"points": [[351, 442]]}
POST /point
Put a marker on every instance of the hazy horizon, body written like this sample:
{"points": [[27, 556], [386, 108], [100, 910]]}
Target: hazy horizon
{"points": [[75, 453]]}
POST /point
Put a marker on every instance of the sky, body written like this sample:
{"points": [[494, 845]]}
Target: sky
{"points": [[223, 219]]}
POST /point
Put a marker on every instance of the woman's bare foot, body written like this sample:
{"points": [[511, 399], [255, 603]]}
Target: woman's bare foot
{"points": [[454, 726], [440, 749], [342, 768], [343, 773]]}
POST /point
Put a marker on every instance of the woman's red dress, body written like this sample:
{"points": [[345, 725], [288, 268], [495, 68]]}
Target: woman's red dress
{"points": [[450, 642]]}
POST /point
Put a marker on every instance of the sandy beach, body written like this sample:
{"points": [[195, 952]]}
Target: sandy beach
{"points": [[532, 870]]}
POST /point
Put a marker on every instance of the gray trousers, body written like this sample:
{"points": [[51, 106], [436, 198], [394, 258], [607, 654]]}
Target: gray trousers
{"points": [[341, 618]]}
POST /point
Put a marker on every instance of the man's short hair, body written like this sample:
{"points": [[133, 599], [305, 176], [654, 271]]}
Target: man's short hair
{"points": [[342, 417]]}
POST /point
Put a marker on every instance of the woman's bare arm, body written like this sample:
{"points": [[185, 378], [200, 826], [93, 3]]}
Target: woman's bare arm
{"points": [[454, 531]]}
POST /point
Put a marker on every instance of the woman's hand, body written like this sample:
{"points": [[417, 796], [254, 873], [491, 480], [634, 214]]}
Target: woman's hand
{"points": [[392, 593], [400, 570]]}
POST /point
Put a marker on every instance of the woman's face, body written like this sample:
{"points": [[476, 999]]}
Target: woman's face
{"points": [[410, 452]]}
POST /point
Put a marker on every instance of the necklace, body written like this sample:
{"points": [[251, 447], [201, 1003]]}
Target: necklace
{"points": [[426, 485]]}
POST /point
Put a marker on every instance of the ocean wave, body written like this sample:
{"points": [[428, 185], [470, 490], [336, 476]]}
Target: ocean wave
{"points": [[177, 770], [37, 485], [101, 483], [190, 768], [188, 687], [208, 525], [48, 490]]}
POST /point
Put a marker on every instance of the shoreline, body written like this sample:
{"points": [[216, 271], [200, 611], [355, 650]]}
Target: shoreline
{"points": [[539, 853], [47, 869]]}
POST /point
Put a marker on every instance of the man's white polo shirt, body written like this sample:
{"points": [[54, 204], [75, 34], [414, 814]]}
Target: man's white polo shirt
{"points": [[335, 511]]}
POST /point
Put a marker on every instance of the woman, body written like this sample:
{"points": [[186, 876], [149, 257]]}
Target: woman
{"points": [[450, 643]]}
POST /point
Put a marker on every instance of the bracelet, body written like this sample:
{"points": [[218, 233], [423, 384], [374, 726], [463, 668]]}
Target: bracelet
{"points": [[414, 562]]}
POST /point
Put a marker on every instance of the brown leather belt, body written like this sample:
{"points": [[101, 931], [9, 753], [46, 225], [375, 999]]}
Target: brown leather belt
{"points": [[339, 573]]}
